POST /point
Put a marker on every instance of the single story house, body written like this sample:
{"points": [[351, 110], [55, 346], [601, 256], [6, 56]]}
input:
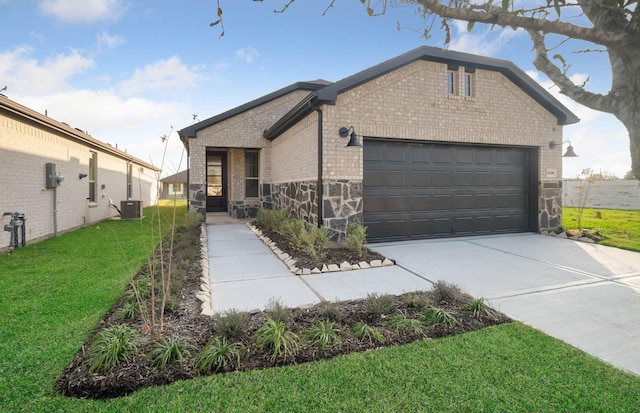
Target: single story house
{"points": [[60, 178], [432, 143], [175, 186]]}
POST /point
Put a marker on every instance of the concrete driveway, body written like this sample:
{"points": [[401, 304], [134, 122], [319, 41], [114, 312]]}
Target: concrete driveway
{"points": [[584, 294]]}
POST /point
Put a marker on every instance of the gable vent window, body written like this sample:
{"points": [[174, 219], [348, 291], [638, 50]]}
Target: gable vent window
{"points": [[451, 82], [251, 171], [467, 84]]}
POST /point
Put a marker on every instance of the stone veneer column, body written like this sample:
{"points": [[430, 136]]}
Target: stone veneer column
{"points": [[550, 205], [198, 199], [342, 204]]}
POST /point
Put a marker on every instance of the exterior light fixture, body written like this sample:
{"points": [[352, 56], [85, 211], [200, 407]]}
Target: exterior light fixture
{"points": [[81, 175], [344, 132], [569, 153]]}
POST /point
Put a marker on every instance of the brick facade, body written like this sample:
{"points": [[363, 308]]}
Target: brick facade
{"points": [[28, 144]]}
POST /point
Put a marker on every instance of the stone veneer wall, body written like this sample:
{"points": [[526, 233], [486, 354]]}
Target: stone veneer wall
{"points": [[299, 198], [342, 204], [550, 205], [198, 199], [243, 209]]}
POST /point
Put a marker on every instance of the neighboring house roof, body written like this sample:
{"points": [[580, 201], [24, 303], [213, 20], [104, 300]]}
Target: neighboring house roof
{"points": [[71, 133], [176, 178], [190, 131], [329, 93]]}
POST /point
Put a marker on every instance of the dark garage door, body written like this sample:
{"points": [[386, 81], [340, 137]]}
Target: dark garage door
{"points": [[416, 190]]}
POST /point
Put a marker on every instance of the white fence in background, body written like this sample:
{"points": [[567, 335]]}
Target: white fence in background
{"points": [[619, 194]]}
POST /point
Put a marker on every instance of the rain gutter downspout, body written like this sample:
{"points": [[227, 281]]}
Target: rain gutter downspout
{"points": [[319, 190]]}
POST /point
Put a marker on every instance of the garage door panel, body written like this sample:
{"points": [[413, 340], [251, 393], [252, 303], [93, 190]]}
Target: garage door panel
{"points": [[418, 203], [373, 179], [394, 203], [441, 178], [419, 179], [428, 189], [395, 178]]}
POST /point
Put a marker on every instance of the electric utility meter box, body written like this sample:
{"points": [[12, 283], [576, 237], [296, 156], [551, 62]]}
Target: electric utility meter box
{"points": [[51, 178]]}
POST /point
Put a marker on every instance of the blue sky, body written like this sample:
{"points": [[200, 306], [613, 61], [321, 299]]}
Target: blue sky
{"points": [[130, 72]]}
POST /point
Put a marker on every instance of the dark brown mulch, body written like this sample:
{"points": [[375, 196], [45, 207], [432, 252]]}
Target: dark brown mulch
{"points": [[185, 322]]}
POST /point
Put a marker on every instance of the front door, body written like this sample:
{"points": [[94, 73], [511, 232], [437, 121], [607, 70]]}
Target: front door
{"points": [[216, 181]]}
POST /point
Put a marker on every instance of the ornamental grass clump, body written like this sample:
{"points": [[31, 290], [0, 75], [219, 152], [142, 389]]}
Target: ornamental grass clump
{"points": [[403, 323], [275, 336], [168, 350], [220, 355], [479, 308], [323, 334], [436, 316], [231, 323], [364, 332], [112, 346]]}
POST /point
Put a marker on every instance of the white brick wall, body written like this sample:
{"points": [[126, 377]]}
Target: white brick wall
{"points": [[25, 148]]}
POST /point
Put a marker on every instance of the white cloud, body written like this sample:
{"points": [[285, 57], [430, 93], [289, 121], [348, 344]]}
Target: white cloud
{"points": [[133, 124], [248, 54], [482, 41], [104, 39], [28, 76], [83, 11], [163, 75]]}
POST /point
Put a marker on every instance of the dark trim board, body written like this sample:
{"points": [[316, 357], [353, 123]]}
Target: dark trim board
{"points": [[416, 190]]}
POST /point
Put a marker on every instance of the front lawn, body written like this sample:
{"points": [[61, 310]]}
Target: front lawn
{"points": [[620, 228], [53, 294]]}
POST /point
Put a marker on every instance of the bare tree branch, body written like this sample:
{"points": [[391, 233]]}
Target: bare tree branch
{"points": [[496, 16], [567, 87]]}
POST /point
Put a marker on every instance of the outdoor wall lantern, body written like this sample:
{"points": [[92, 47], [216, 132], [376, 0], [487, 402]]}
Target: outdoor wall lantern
{"points": [[344, 132], [569, 153], [81, 175]]}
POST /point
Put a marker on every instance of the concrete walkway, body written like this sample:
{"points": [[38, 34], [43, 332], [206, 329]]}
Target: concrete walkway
{"points": [[587, 295]]}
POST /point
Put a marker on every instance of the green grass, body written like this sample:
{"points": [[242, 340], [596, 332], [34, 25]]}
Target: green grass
{"points": [[53, 294], [621, 228]]}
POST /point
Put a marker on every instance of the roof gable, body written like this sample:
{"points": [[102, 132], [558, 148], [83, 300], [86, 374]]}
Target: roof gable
{"points": [[191, 131], [329, 93]]}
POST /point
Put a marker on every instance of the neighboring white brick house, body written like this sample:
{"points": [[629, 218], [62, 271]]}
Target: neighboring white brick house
{"points": [[452, 144], [94, 173]]}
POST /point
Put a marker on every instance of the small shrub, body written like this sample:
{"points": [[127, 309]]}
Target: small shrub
{"points": [[232, 323], [271, 219], [330, 311], [305, 237], [323, 334], [435, 316], [192, 219], [362, 331], [479, 308], [277, 311], [400, 322], [446, 293], [167, 351], [112, 346], [379, 304], [416, 300], [274, 335], [356, 238], [220, 355]]}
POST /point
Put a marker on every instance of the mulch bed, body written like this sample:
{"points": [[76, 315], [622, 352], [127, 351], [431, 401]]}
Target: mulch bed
{"points": [[186, 322]]}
